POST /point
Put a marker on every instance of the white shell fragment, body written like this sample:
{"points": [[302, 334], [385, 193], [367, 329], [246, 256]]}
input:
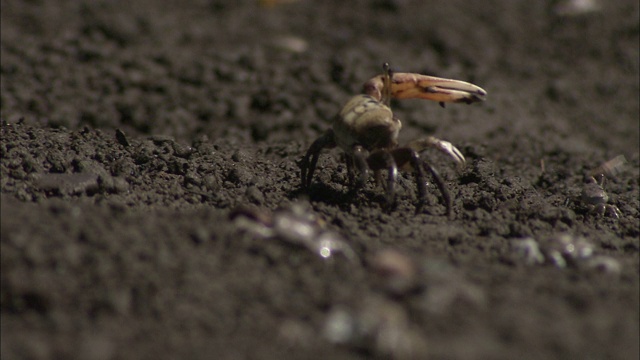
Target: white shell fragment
{"points": [[562, 251], [378, 326], [604, 264], [297, 225], [528, 250], [395, 271], [290, 43], [571, 246], [576, 7]]}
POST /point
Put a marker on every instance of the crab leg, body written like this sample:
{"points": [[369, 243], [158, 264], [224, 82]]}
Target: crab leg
{"points": [[310, 160], [417, 86]]}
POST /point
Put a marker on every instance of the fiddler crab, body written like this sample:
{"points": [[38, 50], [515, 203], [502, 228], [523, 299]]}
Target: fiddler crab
{"points": [[366, 130], [594, 196]]}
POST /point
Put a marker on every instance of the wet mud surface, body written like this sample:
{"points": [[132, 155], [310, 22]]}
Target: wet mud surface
{"points": [[132, 130]]}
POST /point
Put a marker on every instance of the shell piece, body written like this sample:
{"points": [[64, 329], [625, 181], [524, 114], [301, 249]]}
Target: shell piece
{"points": [[565, 250], [296, 225], [528, 250], [604, 264], [396, 272], [378, 326], [570, 8]]}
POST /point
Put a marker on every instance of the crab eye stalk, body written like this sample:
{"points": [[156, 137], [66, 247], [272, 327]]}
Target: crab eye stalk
{"points": [[386, 81]]}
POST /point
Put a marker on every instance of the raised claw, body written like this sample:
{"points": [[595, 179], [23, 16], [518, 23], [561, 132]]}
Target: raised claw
{"points": [[444, 146], [417, 86], [610, 168]]}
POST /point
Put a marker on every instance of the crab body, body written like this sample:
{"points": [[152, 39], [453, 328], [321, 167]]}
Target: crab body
{"points": [[596, 198], [593, 196], [366, 130], [367, 122]]}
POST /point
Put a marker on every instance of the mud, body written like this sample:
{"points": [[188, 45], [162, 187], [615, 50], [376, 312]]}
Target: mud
{"points": [[131, 130]]}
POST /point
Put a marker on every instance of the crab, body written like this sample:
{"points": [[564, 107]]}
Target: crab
{"points": [[594, 196], [367, 131]]}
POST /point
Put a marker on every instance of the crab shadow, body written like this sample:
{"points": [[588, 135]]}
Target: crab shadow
{"points": [[330, 195], [319, 192]]}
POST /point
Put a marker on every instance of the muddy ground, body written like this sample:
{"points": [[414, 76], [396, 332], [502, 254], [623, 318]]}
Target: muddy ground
{"points": [[121, 247]]}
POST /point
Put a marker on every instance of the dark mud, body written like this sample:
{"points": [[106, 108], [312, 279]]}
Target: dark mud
{"points": [[120, 247]]}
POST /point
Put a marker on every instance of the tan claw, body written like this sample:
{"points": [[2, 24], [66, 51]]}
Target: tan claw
{"points": [[611, 168], [444, 146], [417, 86]]}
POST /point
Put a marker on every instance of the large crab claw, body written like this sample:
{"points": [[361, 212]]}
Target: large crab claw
{"points": [[417, 86]]}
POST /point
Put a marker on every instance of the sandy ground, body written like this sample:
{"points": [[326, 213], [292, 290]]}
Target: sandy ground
{"points": [[119, 244]]}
